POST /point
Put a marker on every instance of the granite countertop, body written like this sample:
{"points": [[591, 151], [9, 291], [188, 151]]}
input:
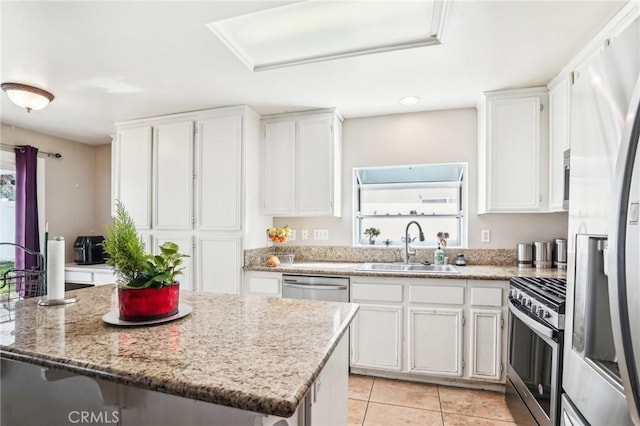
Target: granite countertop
{"points": [[469, 272], [254, 353]]}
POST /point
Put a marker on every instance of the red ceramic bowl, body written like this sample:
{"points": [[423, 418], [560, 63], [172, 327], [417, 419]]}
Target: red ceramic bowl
{"points": [[144, 304]]}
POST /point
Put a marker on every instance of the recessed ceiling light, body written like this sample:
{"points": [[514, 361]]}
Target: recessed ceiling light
{"points": [[409, 100]]}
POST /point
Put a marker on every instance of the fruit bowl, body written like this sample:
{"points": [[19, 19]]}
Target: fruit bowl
{"points": [[279, 259], [278, 235]]}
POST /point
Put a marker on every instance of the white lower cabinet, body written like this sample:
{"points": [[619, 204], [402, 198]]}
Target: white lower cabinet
{"points": [[219, 264], [485, 344], [185, 245], [440, 328], [435, 341], [376, 337], [263, 283]]}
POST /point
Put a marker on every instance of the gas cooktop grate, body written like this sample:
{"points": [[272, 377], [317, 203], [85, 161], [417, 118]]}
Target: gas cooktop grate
{"points": [[550, 291]]}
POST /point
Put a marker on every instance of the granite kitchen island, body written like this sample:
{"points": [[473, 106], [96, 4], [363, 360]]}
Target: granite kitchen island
{"points": [[233, 360]]}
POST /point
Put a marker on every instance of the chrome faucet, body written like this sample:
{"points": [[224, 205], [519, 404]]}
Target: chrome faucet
{"points": [[407, 239]]}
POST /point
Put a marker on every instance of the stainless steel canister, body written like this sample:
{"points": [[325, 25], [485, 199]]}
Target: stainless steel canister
{"points": [[525, 255], [560, 253], [542, 252]]}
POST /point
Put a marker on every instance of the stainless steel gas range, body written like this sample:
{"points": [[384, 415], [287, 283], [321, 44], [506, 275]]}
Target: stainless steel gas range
{"points": [[536, 334]]}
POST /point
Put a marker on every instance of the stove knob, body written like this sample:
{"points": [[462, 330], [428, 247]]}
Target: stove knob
{"points": [[519, 296], [526, 301], [535, 309], [543, 314]]}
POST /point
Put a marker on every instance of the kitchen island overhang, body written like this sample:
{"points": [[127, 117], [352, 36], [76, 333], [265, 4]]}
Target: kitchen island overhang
{"points": [[253, 353]]}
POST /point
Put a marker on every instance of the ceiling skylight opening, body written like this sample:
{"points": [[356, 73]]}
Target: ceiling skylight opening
{"points": [[316, 30]]}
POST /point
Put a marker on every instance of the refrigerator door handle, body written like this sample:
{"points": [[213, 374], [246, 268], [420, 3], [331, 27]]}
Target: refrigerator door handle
{"points": [[619, 303]]}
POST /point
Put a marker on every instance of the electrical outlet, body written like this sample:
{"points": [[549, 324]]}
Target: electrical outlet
{"points": [[304, 234], [320, 234], [292, 235], [485, 236]]}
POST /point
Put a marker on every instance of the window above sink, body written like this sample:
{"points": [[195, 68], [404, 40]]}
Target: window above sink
{"points": [[388, 197]]}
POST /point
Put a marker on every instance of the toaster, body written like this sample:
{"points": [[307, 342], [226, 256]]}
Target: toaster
{"points": [[87, 250]]}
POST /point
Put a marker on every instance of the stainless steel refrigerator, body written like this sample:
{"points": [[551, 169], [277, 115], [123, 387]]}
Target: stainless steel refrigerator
{"points": [[601, 382]]}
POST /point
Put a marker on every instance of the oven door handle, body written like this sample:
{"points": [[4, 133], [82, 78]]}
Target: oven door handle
{"points": [[530, 322]]}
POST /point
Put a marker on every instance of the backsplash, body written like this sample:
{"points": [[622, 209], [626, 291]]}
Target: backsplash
{"points": [[494, 257]]}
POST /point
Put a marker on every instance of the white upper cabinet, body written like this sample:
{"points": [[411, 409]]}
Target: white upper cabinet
{"points": [[316, 166], [302, 164], [194, 177], [559, 128], [173, 175], [513, 152], [280, 168], [219, 174], [132, 174]]}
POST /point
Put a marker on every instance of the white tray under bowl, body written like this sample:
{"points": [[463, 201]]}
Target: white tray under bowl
{"points": [[113, 317]]}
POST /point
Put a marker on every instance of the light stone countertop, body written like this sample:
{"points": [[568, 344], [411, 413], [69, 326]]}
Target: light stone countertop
{"points": [[469, 272], [254, 353], [96, 267]]}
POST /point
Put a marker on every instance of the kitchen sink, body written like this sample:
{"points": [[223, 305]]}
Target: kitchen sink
{"points": [[403, 267]]}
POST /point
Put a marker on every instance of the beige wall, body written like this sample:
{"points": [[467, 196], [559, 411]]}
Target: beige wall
{"points": [[70, 184], [102, 188], [425, 137]]}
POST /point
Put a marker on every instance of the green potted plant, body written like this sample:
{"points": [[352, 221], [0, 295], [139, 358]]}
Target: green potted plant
{"points": [[147, 286], [372, 233]]}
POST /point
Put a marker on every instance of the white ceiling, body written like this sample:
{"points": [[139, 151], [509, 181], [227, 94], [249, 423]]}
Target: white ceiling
{"points": [[114, 61]]}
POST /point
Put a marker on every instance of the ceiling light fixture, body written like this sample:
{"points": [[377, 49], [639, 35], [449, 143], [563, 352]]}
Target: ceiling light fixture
{"points": [[27, 97], [409, 100]]}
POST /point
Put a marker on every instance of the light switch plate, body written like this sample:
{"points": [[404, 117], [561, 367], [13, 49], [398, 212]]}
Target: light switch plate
{"points": [[304, 234], [292, 235], [485, 236]]}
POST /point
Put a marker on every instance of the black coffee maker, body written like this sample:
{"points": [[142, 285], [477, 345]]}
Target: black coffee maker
{"points": [[87, 250]]}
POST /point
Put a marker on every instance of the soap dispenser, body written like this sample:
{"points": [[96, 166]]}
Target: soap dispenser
{"points": [[438, 256]]}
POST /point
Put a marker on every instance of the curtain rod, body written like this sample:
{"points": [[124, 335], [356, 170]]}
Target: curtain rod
{"points": [[44, 153]]}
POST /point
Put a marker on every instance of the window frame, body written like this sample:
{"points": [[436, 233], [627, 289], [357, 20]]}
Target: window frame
{"points": [[463, 199]]}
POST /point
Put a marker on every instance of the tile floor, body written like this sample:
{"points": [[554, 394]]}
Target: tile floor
{"points": [[385, 402]]}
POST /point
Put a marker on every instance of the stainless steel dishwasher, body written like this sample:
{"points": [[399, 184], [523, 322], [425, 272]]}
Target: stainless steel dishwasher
{"points": [[315, 287]]}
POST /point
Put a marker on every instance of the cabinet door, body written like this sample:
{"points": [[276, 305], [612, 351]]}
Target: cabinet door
{"points": [[559, 125], [263, 283], [219, 174], [219, 264], [173, 176], [185, 242], [485, 348], [279, 163], [516, 166], [376, 337], [133, 174], [435, 341], [315, 168]]}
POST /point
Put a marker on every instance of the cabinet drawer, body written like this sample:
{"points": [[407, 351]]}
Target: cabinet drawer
{"points": [[486, 296], [80, 277], [377, 292], [101, 279], [264, 285], [449, 295]]}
